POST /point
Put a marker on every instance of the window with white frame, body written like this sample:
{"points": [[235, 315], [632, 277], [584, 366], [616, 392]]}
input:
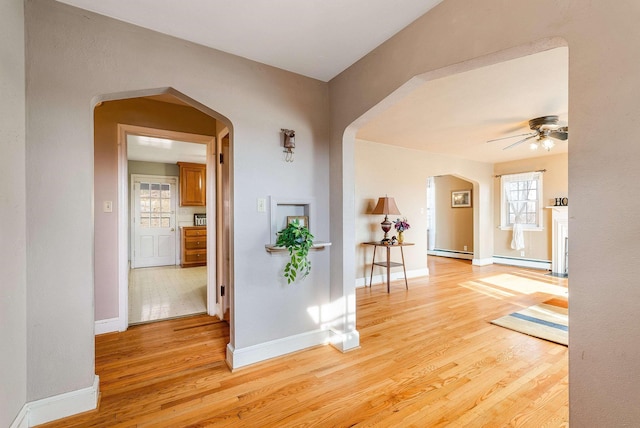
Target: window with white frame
{"points": [[521, 200]]}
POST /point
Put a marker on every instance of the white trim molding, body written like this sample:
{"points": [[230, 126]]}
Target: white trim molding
{"points": [[63, 405], [345, 341], [467, 255], [22, 420], [123, 208], [240, 357], [382, 278], [525, 263], [109, 325], [482, 262]]}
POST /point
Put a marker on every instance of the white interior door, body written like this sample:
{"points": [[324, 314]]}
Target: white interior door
{"points": [[154, 221]]}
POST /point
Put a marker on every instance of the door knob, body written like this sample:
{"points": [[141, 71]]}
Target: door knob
{"points": [[173, 229]]}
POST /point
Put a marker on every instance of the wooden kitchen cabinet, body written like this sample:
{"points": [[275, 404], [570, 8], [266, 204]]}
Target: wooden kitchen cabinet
{"points": [[193, 246], [193, 186]]}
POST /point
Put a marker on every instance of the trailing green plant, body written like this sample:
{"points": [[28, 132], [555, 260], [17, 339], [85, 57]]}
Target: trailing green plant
{"points": [[297, 239]]}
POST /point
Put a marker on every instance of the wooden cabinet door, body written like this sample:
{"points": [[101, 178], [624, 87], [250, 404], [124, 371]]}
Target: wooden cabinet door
{"points": [[193, 187]]}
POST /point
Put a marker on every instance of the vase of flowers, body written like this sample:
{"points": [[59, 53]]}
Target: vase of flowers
{"points": [[401, 225]]}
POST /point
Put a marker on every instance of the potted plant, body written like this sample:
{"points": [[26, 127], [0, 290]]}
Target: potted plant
{"points": [[297, 239]]}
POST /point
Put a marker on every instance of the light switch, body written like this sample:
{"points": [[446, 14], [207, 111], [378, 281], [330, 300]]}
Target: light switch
{"points": [[262, 205], [107, 206]]}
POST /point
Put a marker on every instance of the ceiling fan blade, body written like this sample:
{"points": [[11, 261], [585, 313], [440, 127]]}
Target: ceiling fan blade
{"points": [[560, 133], [521, 141], [512, 136]]}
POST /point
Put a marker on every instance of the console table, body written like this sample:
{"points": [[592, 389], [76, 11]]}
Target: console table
{"points": [[388, 263]]}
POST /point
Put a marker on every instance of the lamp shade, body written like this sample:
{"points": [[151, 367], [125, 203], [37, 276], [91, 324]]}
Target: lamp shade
{"points": [[386, 206]]}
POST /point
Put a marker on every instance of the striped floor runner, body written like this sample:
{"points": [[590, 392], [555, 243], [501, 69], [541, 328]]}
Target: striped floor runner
{"points": [[548, 320]]}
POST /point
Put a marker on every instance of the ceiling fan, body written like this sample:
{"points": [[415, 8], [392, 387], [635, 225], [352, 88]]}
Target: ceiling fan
{"points": [[545, 129]]}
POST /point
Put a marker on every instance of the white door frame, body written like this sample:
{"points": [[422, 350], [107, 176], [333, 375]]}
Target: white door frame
{"points": [[123, 214]]}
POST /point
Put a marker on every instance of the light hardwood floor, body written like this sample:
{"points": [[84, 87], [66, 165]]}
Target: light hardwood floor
{"points": [[429, 358]]}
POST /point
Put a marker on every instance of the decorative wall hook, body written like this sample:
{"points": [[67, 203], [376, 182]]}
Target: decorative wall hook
{"points": [[289, 143]]}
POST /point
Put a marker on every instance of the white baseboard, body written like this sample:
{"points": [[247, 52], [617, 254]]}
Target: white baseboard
{"points": [[63, 405], [22, 420], [382, 279], [482, 262], [240, 357], [466, 255], [526, 263], [110, 325], [345, 342]]}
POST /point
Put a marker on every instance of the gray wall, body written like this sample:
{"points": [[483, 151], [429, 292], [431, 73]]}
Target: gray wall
{"points": [[13, 282], [75, 56], [152, 168], [604, 355]]}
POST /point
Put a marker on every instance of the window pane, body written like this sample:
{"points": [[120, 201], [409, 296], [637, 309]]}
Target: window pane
{"points": [[144, 222], [144, 205], [155, 221], [155, 205], [165, 222], [155, 190], [166, 205], [522, 200], [165, 191]]}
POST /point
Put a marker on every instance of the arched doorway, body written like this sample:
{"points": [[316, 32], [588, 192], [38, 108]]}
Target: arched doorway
{"points": [[175, 117]]}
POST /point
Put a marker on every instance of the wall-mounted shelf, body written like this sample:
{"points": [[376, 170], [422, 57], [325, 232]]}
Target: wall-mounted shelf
{"points": [[281, 208], [319, 245]]}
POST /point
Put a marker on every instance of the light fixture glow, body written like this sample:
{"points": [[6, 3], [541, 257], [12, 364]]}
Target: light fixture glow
{"points": [[548, 144], [534, 145]]}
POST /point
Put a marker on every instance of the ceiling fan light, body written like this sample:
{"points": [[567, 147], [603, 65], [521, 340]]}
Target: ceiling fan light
{"points": [[548, 144], [534, 145]]}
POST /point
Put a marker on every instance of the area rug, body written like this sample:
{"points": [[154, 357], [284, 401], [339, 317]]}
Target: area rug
{"points": [[548, 321]]}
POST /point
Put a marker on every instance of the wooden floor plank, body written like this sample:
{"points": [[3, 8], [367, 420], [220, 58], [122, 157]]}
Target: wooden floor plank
{"points": [[429, 357]]}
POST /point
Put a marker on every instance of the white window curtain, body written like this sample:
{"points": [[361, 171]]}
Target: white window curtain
{"points": [[518, 204], [431, 214]]}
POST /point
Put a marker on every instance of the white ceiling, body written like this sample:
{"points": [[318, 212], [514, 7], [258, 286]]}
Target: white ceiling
{"points": [[454, 115], [315, 38], [162, 150]]}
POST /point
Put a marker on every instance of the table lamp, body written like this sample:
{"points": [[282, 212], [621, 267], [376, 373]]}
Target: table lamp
{"points": [[386, 206]]}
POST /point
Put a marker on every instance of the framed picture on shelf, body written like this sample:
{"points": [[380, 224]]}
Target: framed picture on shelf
{"points": [[302, 219], [461, 198]]}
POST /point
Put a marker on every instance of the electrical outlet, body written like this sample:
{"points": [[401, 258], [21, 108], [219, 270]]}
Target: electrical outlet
{"points": [[465, 248], [262, 205], [107, 206], [522, 253]]}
